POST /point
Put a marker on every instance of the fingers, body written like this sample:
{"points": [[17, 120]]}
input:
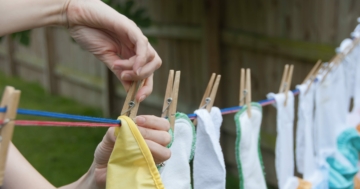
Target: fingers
{"points": [[152, 122], [104, 149], [153, 62], [160, 137], [159, 153], [145, 90], [154, 130], [150, 67], [141, 52], [128, 57]]}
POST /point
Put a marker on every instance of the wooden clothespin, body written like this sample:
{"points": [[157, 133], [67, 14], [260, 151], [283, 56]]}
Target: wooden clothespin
{"points": [[313, 70], [283, 79], [245, 90], [171, 97], [210, 94], [131, 105], [242, 92], [10, 100], [313, 75], [339, 57], [286, 81]]}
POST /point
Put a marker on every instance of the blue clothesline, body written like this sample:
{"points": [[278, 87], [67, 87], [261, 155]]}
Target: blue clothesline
{"points": [[63, 116], [105, 120]]}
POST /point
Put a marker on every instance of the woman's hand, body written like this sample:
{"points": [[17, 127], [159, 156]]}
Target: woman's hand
{"points": [[155, 132], [115, 40], [109, 35]]}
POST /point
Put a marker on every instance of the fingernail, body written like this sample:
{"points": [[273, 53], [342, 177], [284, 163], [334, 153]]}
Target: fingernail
{"points": [[139, 120], [126, 77], [138, 71], [142, 98]]}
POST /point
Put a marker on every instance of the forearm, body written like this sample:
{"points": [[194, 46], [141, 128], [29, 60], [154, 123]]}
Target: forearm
{"points": [[87, 181], [19, 15], [17, 167]]}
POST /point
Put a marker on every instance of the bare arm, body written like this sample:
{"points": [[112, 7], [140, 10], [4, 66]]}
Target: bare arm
{"points": [[19, 173], [107, 34], [153, 129], [19, 15]]}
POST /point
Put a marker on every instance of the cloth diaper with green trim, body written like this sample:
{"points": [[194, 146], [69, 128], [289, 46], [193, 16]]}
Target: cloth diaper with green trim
{"points": [[176, 172], [247, 148]]}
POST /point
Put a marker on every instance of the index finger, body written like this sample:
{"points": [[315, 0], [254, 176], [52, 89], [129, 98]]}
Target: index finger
{"points": [[141, 53], [152, 122]]}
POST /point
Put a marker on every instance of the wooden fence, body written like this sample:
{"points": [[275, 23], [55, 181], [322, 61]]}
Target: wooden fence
{"points": [[198, 38]]}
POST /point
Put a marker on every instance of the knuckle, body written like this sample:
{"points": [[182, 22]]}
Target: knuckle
{"points": [[167, 138], [158, 63], [145, 39], [145, 133], [150, 90], [167, 154], [167, 125], [145, 74]]}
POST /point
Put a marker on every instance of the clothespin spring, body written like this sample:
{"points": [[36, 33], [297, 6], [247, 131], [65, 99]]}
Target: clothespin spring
{"points": [[169, 100], [131, 106], [207, 101], [2, 125], [245, 92]]}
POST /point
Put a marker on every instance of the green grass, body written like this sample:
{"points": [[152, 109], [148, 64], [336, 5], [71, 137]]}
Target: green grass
{"points": [[61, 154]]}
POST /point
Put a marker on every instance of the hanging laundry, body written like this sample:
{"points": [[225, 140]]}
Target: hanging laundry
{"points": [[331, 104], [284, 149], [131, 164], [176, 172], [208, 165], [349, 63], [305, 157], [353, 117], [247, 148], [314, 170]]}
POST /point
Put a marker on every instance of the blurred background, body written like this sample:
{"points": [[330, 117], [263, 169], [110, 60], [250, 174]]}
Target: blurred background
{"points": [[197, 37]]}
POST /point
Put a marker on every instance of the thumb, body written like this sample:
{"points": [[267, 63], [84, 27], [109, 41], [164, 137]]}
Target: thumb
{"points": [[104, 149]]}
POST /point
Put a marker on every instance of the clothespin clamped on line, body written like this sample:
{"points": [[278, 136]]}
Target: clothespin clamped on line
{"points": [[171, 97], [210, 94], [286, 81], [131, 106], [313, 72], [10, 100], [245, 90], [339, 57], [312, 75]]}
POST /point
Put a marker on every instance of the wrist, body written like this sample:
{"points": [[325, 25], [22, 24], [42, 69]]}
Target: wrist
{"points": [[56, 13], [88, 180]]}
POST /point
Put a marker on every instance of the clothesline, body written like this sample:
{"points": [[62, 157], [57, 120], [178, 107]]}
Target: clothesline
{"points": [[99, 122], [61, 124]]}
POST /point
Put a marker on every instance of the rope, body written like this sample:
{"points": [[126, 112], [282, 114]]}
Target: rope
{"points": [[235, 109], [101, 122], [61, 124], [63, 116]]}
